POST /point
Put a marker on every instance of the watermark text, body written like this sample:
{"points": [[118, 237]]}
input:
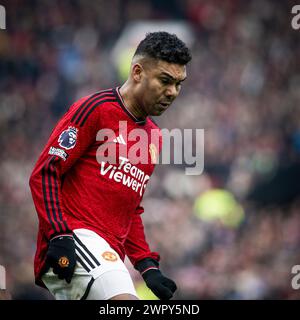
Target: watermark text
{"points": [[296, 19], [139, 146], [296, 278], [2, 17]]}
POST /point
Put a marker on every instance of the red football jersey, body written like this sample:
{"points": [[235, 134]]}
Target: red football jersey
{"points": [[73, 186]]}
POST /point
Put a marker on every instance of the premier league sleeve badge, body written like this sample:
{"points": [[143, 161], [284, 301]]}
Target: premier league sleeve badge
{"points": [[67, 138]]}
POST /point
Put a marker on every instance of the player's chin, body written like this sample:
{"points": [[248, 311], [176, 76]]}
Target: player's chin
{"points": [[158, 111]]}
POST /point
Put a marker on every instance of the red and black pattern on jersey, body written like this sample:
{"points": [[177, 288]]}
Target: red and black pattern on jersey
{"points": [[50, 176], [50, 194], [88, 106], [71, 189]]}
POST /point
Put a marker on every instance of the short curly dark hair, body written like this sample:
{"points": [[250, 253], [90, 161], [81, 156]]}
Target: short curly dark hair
{"points": [[164, 46]]}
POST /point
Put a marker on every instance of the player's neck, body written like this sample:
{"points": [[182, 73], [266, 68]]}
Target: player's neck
{"points": [[130, 102]]}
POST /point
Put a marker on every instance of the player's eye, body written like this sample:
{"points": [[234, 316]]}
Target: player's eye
{"points": [[165, 81]]}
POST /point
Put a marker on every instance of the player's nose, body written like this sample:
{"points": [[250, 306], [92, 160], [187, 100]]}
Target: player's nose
{"points": [[172, 92]]}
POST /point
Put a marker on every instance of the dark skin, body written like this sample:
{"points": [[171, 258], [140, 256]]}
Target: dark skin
{"points": [[152, 86]]}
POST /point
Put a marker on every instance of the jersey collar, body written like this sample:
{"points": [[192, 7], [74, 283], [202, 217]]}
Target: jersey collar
{"points": [[122, 105]]}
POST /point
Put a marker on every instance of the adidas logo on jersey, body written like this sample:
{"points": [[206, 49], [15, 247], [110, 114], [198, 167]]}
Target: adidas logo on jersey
{"points": [[119, 139]]}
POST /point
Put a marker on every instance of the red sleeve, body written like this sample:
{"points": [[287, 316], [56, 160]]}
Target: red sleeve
{"points": [[71, 137], [136, 246]]}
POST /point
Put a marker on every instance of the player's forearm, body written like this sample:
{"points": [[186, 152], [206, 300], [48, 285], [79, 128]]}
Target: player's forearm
{"points": [[136, 245], [45, 185]]}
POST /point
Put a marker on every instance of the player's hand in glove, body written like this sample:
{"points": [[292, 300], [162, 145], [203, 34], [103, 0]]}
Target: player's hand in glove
{"points": [[160, 285], [61, 256]]}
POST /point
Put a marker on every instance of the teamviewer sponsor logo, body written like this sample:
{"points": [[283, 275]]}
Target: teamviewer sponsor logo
{"points": [[126, 173]]}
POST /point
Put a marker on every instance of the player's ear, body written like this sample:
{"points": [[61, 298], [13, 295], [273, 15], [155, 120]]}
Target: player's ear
{"points": [[137, 71]]}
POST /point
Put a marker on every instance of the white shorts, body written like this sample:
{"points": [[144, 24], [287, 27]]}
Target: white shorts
{"points": [[99, 274]]}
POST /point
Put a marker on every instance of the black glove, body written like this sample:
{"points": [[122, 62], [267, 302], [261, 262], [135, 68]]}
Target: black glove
{"points": [[61, 256], [161, 286]]}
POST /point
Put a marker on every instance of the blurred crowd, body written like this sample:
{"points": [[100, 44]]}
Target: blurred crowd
{"points": [[242, 89]]}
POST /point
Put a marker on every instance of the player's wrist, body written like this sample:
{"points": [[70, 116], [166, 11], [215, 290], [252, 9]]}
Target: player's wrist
{"points": [[64, 235], [146, 265], [160, 285]]}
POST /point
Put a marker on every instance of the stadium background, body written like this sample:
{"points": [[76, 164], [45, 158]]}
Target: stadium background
{"points": [[232, 232]]}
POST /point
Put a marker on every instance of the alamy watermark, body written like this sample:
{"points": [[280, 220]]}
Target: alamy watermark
{"points": [[139, 146], [2, 17], [296, 19], [2, 278], [296, 278]]}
